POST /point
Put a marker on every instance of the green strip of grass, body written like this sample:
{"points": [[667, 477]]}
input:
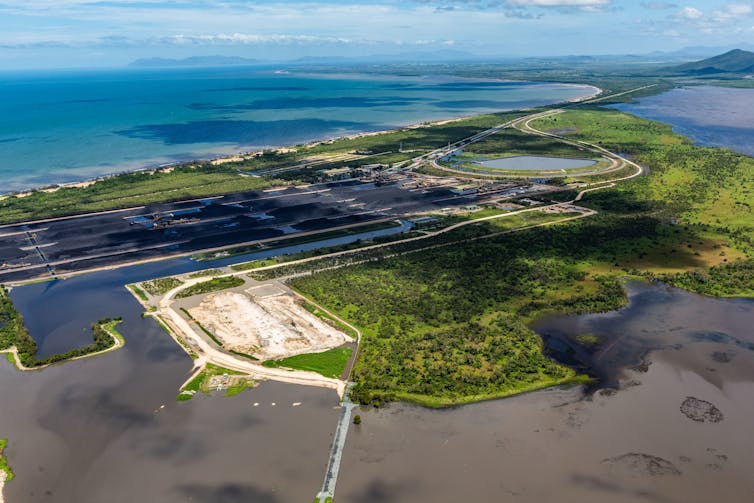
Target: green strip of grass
{"points": [[213, 285], [330, 363], [138, 291]]}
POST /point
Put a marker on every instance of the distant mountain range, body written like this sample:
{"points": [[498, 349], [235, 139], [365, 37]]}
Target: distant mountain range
{"points": [[733, 62], [194, 61], [737, 62]]}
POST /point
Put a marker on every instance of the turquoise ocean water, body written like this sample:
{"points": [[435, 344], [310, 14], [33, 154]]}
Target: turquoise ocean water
{"points": [[70, 126]]}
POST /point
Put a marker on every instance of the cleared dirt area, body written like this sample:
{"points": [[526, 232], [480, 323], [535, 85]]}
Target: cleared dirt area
{"points": [[265, 322]]}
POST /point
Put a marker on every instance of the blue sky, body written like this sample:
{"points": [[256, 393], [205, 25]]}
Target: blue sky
{"points": [[46, 33]]}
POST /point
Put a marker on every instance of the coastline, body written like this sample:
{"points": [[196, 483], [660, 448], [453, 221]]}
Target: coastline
{"points": [[6, 474], [245, 154], [118, 342]]}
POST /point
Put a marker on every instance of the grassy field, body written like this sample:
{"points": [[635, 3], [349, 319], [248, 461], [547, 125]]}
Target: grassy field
{"points": [[330, 363], [512, 142], [706, 188], [213, 285]]}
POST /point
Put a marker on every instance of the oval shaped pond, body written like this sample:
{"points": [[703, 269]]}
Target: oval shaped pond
{"points": [[536, 163]]}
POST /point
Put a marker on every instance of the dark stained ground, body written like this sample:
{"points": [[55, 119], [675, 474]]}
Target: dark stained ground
{"points": [[78, 243]]}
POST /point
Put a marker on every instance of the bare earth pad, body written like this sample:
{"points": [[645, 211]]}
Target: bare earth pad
{"points": [[266, 324]]}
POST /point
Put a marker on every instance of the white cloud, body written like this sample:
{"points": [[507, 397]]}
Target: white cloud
{"points": [[658, 5], [559, 3], [732, 12], [691, 13], [253, 38]]}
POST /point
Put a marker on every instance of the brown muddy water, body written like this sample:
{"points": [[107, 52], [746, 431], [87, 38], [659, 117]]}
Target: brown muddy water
{"points": [[96, 431], [677, 429]]}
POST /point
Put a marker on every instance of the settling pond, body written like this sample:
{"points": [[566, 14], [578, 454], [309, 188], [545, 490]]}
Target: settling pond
{"points": [[536, 163]]}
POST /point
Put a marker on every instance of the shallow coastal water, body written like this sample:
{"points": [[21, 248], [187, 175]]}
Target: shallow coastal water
{"points": [[68, 126], [645, 442], [711, 116]]}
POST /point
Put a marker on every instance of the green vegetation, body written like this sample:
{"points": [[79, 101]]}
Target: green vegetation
{"points": [[213, 285], [449, 325], [235, 389], [13, 334], [357, 419], [330, 363], [138, 291], [205, 272], [708, 189], [446, 326], [161, 286], [4, 467], [201, 382], [512, 142], [588, 341], [727, 280]]}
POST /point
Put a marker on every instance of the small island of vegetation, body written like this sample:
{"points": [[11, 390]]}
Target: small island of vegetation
{"points": [[22, 349], [6, 474]]}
